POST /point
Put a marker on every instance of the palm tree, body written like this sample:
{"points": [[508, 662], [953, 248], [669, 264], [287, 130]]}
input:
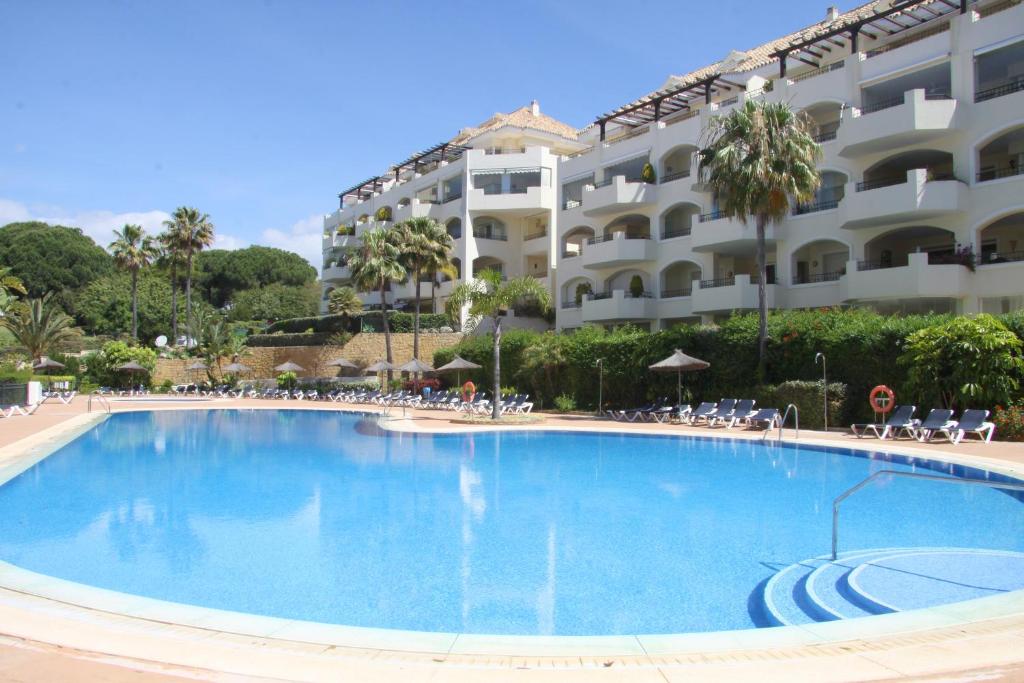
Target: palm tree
{"points": [[487, 295], [39, 325], [9, 285], [133, 250], [375, 263], [447, 269], [425, 244], [544, 356], [192, 232], [758, 159], [171, 257], [344, 301]]}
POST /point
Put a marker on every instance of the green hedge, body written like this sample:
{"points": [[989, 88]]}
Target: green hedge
{"points": [[309, 339], [370, 321], [861, 348]]}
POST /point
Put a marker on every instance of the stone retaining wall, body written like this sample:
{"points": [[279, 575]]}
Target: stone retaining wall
{"points": [[363, 349]]}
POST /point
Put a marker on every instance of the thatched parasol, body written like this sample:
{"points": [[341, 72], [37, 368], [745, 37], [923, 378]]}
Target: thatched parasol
{"points": [[237, 368], [45, 363], [289, 366], [458, 364], [679, 362]]}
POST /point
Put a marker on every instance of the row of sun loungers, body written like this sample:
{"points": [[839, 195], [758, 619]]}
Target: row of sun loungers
{"points": [[138, 390], [64, 397], [728, 412], [938, 423], [18, 411]]}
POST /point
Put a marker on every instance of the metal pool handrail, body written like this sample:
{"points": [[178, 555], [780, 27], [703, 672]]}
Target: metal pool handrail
{"points": [[100, 399], [796, 422], [910, 475]]}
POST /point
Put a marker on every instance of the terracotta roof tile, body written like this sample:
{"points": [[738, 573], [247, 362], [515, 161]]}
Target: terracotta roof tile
{"points": [[520, 118]]}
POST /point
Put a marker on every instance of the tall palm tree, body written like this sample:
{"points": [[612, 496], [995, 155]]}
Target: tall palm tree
{"points": [[488, 296], [759, 158], [171, 258], [9, 286], [193, 232], [133, 250], [425, 244], [375, 263], [38, 325]]}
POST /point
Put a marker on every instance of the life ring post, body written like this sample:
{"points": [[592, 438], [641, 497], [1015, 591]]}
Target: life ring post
{"points": [[882, 400]]}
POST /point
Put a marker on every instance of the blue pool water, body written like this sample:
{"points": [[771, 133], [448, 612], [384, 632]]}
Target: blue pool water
{"points": [[319, 516]]}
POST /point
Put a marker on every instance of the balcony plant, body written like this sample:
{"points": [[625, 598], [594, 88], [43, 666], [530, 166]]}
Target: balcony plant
{"points": [[383, 214], [582, 289], [647, 174], [636, 287]]}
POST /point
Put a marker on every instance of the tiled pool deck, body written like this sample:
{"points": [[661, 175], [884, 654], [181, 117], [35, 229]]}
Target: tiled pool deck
{"points": [[52, 629]]}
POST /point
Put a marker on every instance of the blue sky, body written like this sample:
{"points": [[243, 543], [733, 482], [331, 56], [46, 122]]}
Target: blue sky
{"points": [[259, 112]]}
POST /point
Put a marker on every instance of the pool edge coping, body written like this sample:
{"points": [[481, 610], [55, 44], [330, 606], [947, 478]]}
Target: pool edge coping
{"points": [[50, 593]]}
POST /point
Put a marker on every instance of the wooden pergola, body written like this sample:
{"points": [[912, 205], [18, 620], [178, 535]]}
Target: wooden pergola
{"points": [[444, 151]]}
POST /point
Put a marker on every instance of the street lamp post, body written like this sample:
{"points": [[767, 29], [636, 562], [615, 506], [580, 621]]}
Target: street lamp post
{"points": [[600, 383], [824, 382]]}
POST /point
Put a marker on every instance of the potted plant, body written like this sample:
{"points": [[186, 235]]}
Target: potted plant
{"points": [[383, 214], [647, 174], [582, 289], [636, 287]]}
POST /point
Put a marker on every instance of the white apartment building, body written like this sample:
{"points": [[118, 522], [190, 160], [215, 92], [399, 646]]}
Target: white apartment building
{"points": [[920, 108]]}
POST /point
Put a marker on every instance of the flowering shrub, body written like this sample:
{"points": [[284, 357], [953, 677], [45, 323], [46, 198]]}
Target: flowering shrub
{"points": [[1009, 423]]}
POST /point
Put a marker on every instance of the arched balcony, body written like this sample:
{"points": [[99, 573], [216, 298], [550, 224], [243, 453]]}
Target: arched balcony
{"points": [[454, 228], [625, 240], [893, 171], [489, 228], [677, 279], [573, 241], [1002, 157], [483, 263], [911, 186], [829, 194], [574, 291], [678, 221], [676, 163], [826, 118], [820, 261], [1002, 241]]}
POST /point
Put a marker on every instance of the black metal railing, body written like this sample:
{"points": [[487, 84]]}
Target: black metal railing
{"points": [[718, 282], [818, 72], [818, 277], [874, 265], [572, 303], [452, 197], [996, 173], [669, 177], [675, 232], [598, 296], [1001, 257], [868, 185], [929, 94], [823, 205], [1000, 90], [673, 293], [626, 294], [826, 136], [490, 235], [712, 216], [936, 177], [609, 237], [535, 235], [603, 183]]}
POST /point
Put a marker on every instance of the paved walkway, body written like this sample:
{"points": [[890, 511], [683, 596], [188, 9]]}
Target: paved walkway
{"points": [[992, 650]]}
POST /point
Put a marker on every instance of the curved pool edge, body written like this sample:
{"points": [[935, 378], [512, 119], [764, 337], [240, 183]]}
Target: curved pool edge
{"points": [[80, 609]]}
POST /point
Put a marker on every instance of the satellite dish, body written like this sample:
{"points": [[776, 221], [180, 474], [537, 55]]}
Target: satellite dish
{"points": [[161, 341]]}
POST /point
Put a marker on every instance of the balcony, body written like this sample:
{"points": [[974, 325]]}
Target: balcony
{"points": [[715, 232], [869, 281], [336, 273], [536, 242], [616, 195], [618, 305], [728, 294], [530, 199], [1000, 274], [893, 201], [915, 118], [617, 250]]}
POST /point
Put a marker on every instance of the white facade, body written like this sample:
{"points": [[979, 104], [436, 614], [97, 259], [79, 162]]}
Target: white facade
{"points": [[922, 133]]}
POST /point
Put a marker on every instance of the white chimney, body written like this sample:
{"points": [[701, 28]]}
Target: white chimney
{"points": [[832, 13], [535, 108]]}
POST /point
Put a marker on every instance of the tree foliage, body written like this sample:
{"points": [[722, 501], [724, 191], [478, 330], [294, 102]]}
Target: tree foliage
{"points": [[103, 307], [220, 274], [275, 302], [964, 363], [345, 302], [102, 365], [52, 258]]}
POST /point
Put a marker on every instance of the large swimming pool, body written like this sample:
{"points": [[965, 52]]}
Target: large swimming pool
{"points": [[321, 516]]}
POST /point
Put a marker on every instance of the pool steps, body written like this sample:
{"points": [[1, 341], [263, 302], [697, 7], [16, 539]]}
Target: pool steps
{"points": [[818, 589]]}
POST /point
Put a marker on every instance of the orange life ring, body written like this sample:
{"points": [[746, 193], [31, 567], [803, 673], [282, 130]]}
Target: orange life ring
{"points": [[468, 390], [882, 406]]}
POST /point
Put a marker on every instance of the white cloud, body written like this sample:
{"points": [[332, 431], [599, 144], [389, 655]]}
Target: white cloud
{"points": [[303, 237], [99, 225]]}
